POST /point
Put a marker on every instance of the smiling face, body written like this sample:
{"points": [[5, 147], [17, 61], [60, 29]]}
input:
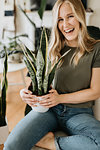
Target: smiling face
{"points": [[68, 24]]}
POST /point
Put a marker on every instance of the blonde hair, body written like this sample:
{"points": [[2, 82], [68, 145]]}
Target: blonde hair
{"points": [[85, 42]]}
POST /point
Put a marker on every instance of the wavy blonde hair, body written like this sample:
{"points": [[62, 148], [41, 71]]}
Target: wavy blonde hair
{"points": [[57, 40]]}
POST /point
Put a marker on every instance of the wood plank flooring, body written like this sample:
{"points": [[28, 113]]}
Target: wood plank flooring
{"points": [[15, 106]]}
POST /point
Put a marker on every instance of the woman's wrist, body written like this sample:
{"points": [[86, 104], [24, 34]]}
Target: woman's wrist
{"points": [[62, 98]]}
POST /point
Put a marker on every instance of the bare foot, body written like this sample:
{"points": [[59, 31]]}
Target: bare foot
{"points": [[47, 142]]}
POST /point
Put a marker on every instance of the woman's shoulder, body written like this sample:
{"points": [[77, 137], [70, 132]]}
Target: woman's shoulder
{"points": [[96, 48], [97, 45], [96, 55]]}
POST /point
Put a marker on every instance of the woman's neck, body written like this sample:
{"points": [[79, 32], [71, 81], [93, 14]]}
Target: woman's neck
{"points": [[72, 44]]}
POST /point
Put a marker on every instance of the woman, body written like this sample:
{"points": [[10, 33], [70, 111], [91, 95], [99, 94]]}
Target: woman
{"points": [[76, 86]]}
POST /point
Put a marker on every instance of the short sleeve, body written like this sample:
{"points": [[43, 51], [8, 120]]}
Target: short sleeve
{"points": [[96, 60]]}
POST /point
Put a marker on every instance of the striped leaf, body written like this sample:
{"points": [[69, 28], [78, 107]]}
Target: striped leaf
{"points": [[39, 73], [29, 52], [43, 43], [45, 81], [32, 75], [52, 73], [3, 92], [44, 49], [45, 84], [27, 57]]}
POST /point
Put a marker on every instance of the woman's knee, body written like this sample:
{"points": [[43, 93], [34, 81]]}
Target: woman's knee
{"points": [[85, 125], [12, 143], [9, 145]]}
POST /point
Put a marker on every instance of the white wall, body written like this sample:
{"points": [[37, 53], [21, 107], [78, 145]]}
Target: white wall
{"points": [[95, 17], [1, 17], [22, 21]]}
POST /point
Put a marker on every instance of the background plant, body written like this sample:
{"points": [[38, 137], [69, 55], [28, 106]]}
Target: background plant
{"points": [[3, 89], [38, 30], [12, 46]]}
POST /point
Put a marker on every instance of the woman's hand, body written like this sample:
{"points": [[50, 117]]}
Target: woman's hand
{"points": [[51, 99], [28, 98]]}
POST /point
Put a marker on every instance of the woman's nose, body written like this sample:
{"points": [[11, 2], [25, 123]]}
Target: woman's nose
{"points": [[65, 24]]}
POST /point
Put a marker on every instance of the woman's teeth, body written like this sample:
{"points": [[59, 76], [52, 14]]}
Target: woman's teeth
{"points": [[67, 31]]}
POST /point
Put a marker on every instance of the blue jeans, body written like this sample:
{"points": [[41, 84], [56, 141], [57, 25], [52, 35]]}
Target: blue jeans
{"points": [[79, 123]]}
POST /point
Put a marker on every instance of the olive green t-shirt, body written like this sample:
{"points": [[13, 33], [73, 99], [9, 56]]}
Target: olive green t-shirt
{"points": [[70, 78]]}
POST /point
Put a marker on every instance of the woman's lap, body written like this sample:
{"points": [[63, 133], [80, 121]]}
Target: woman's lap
{"points": [[83, 128]]}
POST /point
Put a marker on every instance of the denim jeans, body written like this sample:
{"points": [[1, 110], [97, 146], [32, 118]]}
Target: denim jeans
{"points": [[79, 123]]}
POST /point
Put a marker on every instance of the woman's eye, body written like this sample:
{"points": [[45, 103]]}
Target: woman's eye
{"points": [[70, 16]]}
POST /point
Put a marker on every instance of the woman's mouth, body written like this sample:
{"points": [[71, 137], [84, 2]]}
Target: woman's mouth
{"points": [[69, 30]]}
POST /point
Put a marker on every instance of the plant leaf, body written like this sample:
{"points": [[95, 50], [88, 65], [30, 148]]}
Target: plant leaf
{"points": [[27, 17], [44, 49], [29, 53], [43, 42], [42, 8], [3, 91], [52, 73], [5, 68], [32, 74], [15, 37], [45, 84], [45, 81], [40, 66], [26, 54]]}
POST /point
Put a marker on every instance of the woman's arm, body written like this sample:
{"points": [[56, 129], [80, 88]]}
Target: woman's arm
{"points": [[85, 95], [76, 97]]}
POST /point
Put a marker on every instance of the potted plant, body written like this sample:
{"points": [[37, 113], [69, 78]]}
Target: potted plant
{"points": [[15, 54], [40, 70], [40, 67], [3, 88], [37, 33]]}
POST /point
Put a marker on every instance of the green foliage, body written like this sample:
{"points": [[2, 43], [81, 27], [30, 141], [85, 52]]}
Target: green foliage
{"points": [[40, 12], [27, 16], [42, 8], [3, 89], [12, 46], [39, 67]]}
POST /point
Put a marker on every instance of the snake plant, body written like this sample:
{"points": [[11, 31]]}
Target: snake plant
{"points": [[39, 67], [3, 89]]}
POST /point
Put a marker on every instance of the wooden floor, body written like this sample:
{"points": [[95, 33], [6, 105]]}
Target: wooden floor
{"points": [[15, 106]]}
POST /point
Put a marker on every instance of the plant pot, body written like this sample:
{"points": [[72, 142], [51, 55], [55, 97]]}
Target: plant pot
{"points": [[40, 108], [4, 132], [15, 58]]}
